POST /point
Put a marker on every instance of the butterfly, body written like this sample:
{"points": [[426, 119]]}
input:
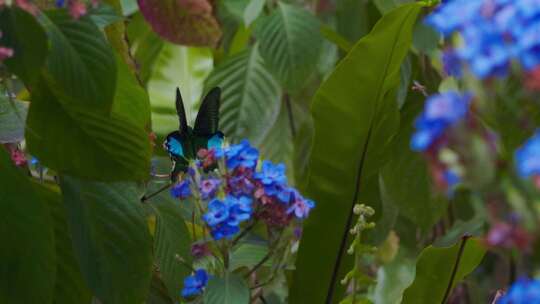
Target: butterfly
{"points": [[184, 143]]}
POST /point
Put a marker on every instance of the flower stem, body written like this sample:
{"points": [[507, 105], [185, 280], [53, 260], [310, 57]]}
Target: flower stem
{"points": [[456, 266]]}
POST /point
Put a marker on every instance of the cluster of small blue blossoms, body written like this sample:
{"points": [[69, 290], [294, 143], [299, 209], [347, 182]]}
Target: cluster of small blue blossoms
{"points": [[528, 159], [230, 187], [194, 284], [524, 291], [493, 32]]}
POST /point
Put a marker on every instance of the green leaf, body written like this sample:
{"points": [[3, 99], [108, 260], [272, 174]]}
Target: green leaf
{"points": [[250, 98], [253, 10], [434, 268], [231, 289], [69, 284], [81, 64], [131, 100], [182, 22], [393, 279], [248, 255], [27, 271], [357, 99], [177, 66], [158, 293], [12, 120], [83, 143], [407, 170], [172, 239], [278, 145], [385, 6], [22, 33], [290, 43], [104, 15], [111, 239]]}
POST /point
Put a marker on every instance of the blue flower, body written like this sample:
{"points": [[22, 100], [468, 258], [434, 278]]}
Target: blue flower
{"points": [[60, 3], [300, 206], [194, 284], [440, 112], [217, 213], [523, 291], [451, 63], [224, 231], [271, 174], [528, 157], [181, 190], [208, 187], [240, 155], [239, 209]]}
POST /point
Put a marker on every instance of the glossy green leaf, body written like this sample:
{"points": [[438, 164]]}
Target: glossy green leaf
{"points": [[81, 64], [250, 99], [28, 268], [182, 67], [290, 43], [172, 241], [21, 32], [112, 243], [12, 120], [434, 268], [357, 99], [69, 284], [231, 289], [407, 170], [83, 143]]}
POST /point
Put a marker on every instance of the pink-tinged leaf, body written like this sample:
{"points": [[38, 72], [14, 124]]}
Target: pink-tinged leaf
{"points": [[186, 22]]}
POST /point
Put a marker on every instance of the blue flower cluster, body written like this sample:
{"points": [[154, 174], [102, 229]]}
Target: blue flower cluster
{"points": [[528, 157], [240, 155], [523, 291], [494, 33], [440, 112], [194, 284], [181, 190], [224, 216]]}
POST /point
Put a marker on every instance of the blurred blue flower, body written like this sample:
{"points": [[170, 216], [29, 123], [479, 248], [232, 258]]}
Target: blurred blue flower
{"points": [[224, 231], [494, 33], [300, 206], [527, 157], [441, 111], [239, 208], [451, 63], [217, 213], [523, 291], [60, 3], [271, 174], [181, 190], [224, 217], [209, 187], [194, 284]]}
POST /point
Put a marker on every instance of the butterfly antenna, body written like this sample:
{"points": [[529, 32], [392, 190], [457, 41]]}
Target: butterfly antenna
{"points": [[147, 197], [181, 112]]}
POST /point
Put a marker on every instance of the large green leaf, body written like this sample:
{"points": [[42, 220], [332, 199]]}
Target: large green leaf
{"points": [[172, 240], [231, 289], [177, 66], [434, 268], [12, 119], [69, 285], [21, 32], [290, 43], [81, 64], [278, 146], [112, 243], [27, 271], [84, 143], [357, 99], [407, 170], [393, 279], [250, 96]]}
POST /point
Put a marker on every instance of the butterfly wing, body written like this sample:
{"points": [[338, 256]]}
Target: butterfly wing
{"points": [[183, 128], [173, 145], [207, 121]]}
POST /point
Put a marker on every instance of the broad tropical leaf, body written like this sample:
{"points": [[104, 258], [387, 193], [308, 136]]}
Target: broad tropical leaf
{"points": [[228, 290], [21, 32], [112, 243], [28, 267], [81, 64], [278, 146], [84, 143], [290, 43], [434, 268], [12, 119], [182, 21], [172, 241], [358, 99], [250, 97]]}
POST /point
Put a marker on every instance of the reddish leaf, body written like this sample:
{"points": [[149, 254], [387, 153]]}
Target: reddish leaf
{"points": [[187, 22]]}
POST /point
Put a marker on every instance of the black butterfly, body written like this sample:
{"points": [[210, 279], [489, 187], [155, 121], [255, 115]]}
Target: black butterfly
{"points": [[183, 144]]}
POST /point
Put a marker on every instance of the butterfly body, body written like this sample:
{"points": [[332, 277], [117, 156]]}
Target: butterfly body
{"points": [[184, 143]]}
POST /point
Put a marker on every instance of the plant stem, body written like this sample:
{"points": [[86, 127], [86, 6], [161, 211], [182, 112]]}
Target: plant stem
{"points": [[244, 232], [147, 197], [456, 266]]}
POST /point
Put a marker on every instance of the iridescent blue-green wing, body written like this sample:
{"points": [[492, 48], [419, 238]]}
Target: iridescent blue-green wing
{"points": [[207, 121]]}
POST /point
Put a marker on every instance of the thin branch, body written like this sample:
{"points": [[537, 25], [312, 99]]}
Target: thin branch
{"points": [[455, 269], [147, 197]]}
